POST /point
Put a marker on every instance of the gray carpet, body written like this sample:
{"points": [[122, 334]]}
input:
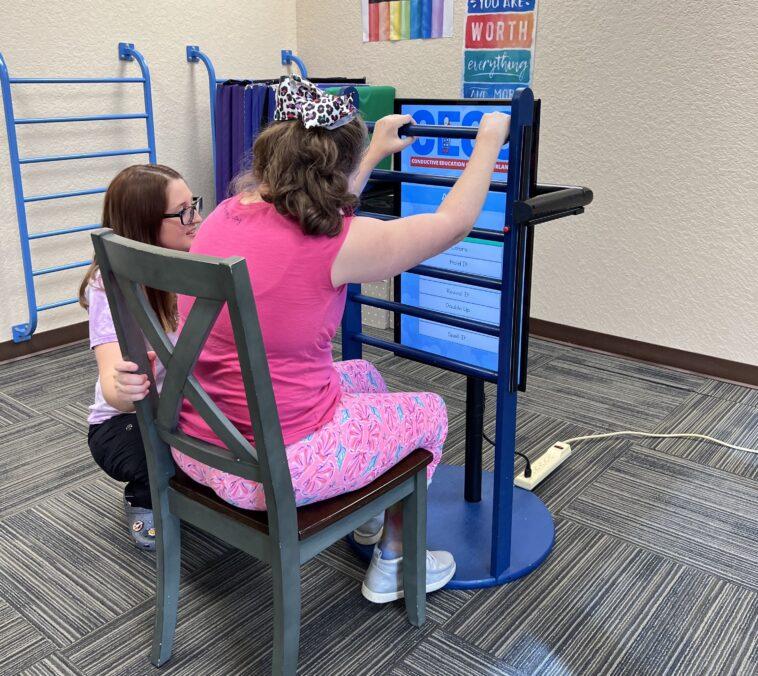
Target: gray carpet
{"points": [[654, 570]]}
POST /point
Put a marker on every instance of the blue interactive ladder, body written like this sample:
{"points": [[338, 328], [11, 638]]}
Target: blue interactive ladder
{"points": [[496, 531], [126, 52]]}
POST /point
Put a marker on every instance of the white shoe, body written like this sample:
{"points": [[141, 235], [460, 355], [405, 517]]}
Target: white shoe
{"points": [[384, 578], [370, 532]]}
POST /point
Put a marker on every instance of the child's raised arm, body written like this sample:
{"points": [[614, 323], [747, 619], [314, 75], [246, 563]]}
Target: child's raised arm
{"points": [[375, 250]]}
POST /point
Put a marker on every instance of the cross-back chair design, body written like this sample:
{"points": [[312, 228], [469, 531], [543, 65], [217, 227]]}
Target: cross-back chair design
{"points": [[284, 536]]}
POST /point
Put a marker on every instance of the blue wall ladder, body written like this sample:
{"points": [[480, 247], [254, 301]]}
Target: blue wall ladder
{"points": [[126, 52]]}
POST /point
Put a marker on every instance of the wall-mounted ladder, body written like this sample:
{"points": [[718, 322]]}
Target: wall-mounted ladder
{"points": [[126, 52]]}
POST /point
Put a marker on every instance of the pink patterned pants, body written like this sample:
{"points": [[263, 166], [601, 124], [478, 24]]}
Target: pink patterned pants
{"points": [[371, 431]]}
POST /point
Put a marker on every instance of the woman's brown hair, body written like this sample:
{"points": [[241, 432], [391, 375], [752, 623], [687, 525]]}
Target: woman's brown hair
{"points": [[305, 173], [134, 206]]}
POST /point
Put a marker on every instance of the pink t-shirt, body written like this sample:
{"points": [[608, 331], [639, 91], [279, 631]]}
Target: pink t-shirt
{"points": [[298, 309]]}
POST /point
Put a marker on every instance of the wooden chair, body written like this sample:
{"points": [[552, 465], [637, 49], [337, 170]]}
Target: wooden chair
{"points": [[285, 536]]}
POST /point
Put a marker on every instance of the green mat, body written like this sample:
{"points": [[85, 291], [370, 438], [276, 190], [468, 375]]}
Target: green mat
{"points": [[375, 102]]}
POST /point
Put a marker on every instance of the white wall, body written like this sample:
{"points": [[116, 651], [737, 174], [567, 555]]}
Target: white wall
{"points": [[652, 105], [60, 38]]}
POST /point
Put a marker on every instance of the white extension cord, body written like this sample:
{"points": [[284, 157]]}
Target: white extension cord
{"points": [[549, 461]]}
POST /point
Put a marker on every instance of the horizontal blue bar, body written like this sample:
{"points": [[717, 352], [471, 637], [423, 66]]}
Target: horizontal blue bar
{"points": [[431, 315], [59, 303], [62, 195], [84, 156], [427, 358], [59, 268], [64, 231], [460, 277], [381, 217], [80, 118], [432, 131], [72, 80], [489, 235], [425, 179]]}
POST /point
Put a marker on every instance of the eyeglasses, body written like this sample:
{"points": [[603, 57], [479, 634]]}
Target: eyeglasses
{"points": [[187, 215]]}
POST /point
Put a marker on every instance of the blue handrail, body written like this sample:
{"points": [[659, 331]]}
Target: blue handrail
{"points": [[288, 58], [74, 80], [63, 195], [84, 156], [58, 268], [195, 54], [126, 52], [64, 231], [80, 118]]}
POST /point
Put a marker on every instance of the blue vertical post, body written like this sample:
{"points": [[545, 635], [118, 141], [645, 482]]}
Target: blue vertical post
{"points": [[522, 112], [289, 58], [351, 325], [126, 52], [194, 54], [20, 332]]}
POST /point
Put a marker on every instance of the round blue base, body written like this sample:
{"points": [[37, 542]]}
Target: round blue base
{"points": [[465, 529]]}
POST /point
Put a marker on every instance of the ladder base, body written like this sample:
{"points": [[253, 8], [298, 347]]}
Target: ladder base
{"points": [[465, 529]]}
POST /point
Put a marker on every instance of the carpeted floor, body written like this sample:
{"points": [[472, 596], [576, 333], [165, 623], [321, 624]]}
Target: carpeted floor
{"points": [[654, 570]]}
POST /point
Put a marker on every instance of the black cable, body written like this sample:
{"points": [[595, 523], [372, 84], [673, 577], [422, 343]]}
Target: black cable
{"points": [[528, 468]]}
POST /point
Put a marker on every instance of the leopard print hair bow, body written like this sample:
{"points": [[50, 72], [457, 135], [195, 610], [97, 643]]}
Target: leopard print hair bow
{"points": [[299, 99]]}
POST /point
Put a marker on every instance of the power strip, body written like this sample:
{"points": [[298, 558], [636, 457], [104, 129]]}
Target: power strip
{"points": [[543, 466]]}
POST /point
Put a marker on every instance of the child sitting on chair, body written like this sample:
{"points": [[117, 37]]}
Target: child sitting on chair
{"points": [[149, 203], [292, 220]]}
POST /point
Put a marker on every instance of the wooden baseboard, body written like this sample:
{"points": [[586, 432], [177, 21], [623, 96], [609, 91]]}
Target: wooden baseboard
{"points": [[47, 340], [665, 356]]}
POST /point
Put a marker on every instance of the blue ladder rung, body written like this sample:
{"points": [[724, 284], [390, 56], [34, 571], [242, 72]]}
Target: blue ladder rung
{"points": [[427, 358], [81, 118], [59, 268], [429, 315], [62, 195], [72, 80], [478, 233], [84, 156], [64, 231], [60, 303], [459, 277], [426, 179]]}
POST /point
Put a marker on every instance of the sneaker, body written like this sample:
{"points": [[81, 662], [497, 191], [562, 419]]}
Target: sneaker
{"points": [[370, 532], [384, 578], [141, 526]]}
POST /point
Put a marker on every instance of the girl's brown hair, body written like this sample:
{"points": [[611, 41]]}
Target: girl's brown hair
{"points": [[305, 173], [134, 206]]}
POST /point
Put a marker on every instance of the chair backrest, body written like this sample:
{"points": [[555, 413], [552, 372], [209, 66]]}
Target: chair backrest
{"points": [[127, 267]]}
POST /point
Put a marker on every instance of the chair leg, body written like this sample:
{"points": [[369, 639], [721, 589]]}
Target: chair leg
{"points": [[414, 551], [169, 556], [286, 577]]}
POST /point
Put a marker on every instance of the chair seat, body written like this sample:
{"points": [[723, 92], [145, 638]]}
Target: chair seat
{"points": [[310, 518]]}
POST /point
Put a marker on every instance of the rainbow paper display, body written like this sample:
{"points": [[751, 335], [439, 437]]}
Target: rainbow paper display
{"points": [[406, 19]]}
